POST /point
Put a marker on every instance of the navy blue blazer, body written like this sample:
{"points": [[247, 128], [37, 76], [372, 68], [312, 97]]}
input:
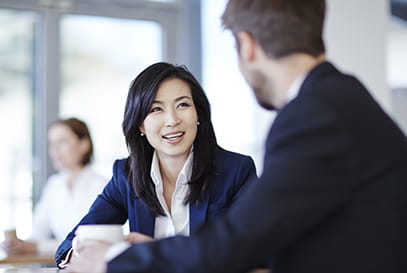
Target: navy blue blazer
{"points": [[332, 196], [232, 172]]}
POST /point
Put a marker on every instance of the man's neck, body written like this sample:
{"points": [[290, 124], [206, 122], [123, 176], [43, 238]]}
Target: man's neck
{"points": [[283, 72]]}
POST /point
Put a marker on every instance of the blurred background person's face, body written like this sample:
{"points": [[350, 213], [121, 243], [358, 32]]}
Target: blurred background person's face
{"points": [[66, 150]]}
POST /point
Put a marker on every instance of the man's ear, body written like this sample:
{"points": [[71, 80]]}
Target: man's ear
{"points": [[246, 46]]}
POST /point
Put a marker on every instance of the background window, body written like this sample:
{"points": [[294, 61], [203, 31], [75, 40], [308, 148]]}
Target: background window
{"points": [[397, 67], [100, 57], [240, 123], [16, 111], [72, 58]]}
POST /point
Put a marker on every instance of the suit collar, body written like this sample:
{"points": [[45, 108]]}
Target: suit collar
{"points": [[197, 215], [145, 220], [316, 74]]}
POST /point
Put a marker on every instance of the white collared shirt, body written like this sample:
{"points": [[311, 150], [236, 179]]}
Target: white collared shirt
{"points": [[294, 89], [176, 223]]}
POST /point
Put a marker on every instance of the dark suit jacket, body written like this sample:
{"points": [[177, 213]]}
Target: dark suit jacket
{"points": [[332, 196], [115, 205]]}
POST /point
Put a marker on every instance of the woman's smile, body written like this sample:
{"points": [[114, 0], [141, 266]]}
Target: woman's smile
{"points": [[174, 138]]}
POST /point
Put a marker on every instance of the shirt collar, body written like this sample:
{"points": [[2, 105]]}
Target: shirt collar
{"points": [[184, 175], [295, 86]]}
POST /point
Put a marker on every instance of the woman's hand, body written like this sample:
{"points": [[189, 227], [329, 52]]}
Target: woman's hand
{"points": [[91, 254], [136, 237], [19, 247], [92, 258]]}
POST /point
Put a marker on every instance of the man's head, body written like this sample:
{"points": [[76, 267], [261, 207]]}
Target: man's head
{"points": [[271, 34], [280, 27]]}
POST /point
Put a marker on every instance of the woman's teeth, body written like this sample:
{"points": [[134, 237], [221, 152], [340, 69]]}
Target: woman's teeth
{"points": [[173, 136]]}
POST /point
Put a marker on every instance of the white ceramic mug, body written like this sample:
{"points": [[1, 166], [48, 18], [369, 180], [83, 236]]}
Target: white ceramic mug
{"points": [[10, 234], [108, 233]]}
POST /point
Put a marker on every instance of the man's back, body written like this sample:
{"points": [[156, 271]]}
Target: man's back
{"points": [[351, 186]]}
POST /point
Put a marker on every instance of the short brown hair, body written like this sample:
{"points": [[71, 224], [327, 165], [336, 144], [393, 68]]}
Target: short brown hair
{"points": [[281, 27], [80, 129]]}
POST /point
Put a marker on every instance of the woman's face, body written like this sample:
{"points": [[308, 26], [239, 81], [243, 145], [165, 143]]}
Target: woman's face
{"points": [[171, 126], [66, 150]]}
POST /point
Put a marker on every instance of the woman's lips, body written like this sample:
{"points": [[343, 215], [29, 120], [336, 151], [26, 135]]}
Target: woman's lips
{"points": [[174, 137]]}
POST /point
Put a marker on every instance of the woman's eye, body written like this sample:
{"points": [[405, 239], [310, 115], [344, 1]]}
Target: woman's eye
{"points": [[183, 105], [155, 109]]}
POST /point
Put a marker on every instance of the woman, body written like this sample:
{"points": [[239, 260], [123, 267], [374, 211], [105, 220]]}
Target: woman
{"points": [[176, 177], [68, 194]]}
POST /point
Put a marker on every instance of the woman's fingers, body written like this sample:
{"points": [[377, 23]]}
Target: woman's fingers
{"points": [[136, 237]]}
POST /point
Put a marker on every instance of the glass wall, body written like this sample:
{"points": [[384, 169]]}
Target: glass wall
{"points": [[397, 67], [100, 56], [60, 59], [16, 112], [240, 123]]}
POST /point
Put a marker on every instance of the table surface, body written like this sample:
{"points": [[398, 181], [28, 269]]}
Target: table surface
{"points": [[27, 263], [43, 264], [28, 259], [27, 269]]}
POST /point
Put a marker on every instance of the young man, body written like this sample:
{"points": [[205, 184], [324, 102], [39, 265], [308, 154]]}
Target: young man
{"points": [[332, 196]]}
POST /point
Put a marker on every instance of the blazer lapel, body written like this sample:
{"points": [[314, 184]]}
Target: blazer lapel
{"points": [[145, 221], [197, 214]]}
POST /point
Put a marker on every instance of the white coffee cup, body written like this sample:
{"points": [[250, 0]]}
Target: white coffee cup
{"points": [[10, 234], [108, 233]]}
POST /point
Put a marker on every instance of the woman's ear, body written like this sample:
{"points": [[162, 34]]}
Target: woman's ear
{"points": [[85, 145], [141, 128], [247, 48]]}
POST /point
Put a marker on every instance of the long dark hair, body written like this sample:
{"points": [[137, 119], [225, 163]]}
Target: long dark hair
{"points": [[142, 93]]}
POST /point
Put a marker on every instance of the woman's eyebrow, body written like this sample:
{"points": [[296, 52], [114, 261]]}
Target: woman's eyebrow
{"points": [[183, 97], [176, 99]]}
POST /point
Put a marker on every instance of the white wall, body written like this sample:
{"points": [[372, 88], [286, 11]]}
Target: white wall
{"points": [[356, 39]]}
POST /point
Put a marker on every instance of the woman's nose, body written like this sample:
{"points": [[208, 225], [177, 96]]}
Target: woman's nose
{"points": [[172, 119]]}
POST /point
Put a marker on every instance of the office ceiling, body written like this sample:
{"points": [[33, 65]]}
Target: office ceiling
{"points": [[399, 8]]}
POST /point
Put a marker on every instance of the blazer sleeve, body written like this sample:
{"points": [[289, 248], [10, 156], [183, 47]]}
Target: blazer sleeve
{"points": [[110, 207], [301, 184]]}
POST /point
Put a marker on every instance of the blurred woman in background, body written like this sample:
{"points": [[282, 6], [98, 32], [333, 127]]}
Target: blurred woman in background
{"points": [[68, 194]]}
